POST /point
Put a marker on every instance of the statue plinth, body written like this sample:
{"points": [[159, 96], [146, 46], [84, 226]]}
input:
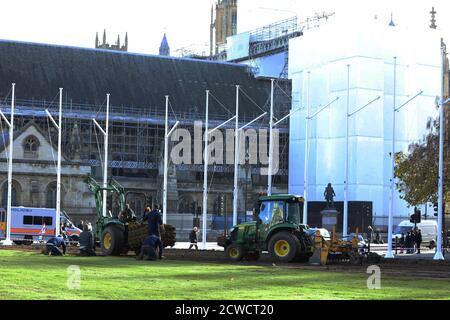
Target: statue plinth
{"points": [[329, 218]]}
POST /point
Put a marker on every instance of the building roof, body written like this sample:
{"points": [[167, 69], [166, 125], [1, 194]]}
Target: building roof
{"points": [[133, 80]]}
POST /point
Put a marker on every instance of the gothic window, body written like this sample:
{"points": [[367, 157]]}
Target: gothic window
{"points": [[51, 195], [14, 195], [31, 147]]}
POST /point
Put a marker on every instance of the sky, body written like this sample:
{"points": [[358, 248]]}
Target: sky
{"points": [[75, 22]]}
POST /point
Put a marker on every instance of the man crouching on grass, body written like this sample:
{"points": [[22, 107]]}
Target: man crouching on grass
{"points": [[87, 241], [148, 251], [53, 246]]}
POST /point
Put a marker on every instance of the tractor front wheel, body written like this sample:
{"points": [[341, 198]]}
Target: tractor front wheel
{"points": [[112, 241], [284, 246], [235, 252]]}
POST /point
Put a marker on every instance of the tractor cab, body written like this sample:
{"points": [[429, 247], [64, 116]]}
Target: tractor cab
{"points": [[276, 228], [275, 212]]}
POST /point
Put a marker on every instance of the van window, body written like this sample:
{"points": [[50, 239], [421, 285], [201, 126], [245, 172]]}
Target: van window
{"points": [[37, 221], [27, 220]]}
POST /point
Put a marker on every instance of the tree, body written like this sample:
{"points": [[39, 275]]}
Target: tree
{"points": [[417, 171]]}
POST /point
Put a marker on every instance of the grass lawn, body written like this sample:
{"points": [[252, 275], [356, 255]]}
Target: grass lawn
{"points": [[25, 275]]}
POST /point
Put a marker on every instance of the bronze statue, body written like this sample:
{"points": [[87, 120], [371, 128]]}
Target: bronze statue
{"points": [[329, 196]]}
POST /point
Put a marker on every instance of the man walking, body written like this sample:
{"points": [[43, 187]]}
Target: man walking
{"points": [[193, 238]]}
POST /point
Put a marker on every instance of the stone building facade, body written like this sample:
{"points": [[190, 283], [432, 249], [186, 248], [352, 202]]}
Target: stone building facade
{"points": [[34, 174]]}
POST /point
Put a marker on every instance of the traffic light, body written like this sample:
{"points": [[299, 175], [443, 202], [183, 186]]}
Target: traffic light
{"points": [[416, 217], [368, 210], [435, 207], [222, 204]]}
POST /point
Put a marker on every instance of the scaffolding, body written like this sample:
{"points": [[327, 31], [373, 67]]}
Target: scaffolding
{"points": [[136, 135]]}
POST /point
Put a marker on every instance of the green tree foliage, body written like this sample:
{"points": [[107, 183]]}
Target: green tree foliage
{"points": [[417, 170]]}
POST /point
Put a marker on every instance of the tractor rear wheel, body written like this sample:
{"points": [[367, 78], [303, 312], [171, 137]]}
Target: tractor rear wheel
{"points": [[284, 246], [112, 241], [235, 252]]}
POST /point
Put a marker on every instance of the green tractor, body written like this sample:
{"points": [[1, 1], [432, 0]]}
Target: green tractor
{"points": [[277, 229], [118, 234]]}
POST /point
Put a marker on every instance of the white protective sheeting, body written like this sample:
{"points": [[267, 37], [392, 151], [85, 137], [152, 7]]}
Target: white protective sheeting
{"points": [[369, 48]]}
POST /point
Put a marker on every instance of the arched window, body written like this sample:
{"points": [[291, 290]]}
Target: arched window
{"points": [[31, 147], [14, 195], [51, 195]]}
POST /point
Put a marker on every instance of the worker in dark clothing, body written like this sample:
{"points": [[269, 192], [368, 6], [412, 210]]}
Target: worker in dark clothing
{"points": [[149, 247], [193, 238], [408, 242], [87, 242], [53, 245], [154, 224], [154, 221], [128, 214], [418, 240], [378, 239], [402, 243]]}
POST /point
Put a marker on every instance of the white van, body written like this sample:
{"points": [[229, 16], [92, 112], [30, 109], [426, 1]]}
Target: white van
{"points": [[428, 228], [33, 224]]}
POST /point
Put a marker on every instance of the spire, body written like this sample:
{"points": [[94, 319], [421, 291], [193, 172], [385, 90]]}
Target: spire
{"points": [[126, 41], [392, 24], [433, 19], [96, 40], [164, 49], [118, 41], [104, 36]]}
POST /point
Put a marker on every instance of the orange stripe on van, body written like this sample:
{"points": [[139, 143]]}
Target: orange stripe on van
{"points": [[34, 231]]}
